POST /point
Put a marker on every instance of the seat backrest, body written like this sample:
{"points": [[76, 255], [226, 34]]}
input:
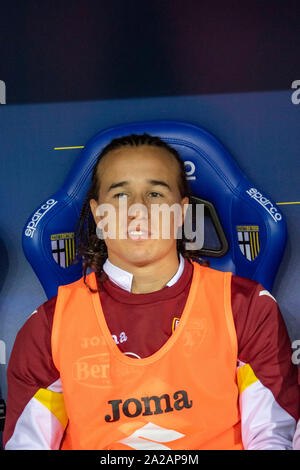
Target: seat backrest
{"points": [[245, 230]]}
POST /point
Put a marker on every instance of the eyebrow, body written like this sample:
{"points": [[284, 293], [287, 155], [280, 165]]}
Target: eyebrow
{"points": [[159, 183], [121, 184], [117, 185]]}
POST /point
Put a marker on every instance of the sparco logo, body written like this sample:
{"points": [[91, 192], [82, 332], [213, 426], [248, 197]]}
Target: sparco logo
{"points": [[266, 203], [134, 407], [37, 216]]}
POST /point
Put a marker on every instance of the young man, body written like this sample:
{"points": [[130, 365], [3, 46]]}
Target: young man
{"points": [[151, 350]]}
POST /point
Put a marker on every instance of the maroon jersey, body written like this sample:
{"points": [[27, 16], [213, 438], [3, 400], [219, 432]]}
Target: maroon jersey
{"points": [[140, 324]]}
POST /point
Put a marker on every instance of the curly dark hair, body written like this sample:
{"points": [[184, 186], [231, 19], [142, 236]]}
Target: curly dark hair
{"points": [[89, 246]]}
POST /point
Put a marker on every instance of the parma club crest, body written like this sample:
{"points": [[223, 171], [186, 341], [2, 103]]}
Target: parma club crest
{"points": [[63, 248], [248, 239]]}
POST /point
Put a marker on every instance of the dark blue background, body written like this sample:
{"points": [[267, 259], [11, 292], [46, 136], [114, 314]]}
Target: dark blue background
{"points": [[63, 50]]}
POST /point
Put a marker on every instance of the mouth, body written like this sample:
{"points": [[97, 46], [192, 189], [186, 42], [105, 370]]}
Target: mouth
{"points": [[139, 234]]}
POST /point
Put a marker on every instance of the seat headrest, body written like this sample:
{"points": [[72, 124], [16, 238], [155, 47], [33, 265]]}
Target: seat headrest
{"points": [[249, 228]]}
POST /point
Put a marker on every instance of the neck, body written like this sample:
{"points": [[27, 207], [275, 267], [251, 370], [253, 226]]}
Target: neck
{"points": [[149, 277]]}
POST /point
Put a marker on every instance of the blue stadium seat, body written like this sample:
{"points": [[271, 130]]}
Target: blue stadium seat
{"points": [[245, 230]]}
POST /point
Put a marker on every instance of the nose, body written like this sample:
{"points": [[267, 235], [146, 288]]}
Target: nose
{"points": [[138, 211]]}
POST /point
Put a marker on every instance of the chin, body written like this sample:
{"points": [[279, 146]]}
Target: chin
{"points": [[139, 258], [140, 253]]}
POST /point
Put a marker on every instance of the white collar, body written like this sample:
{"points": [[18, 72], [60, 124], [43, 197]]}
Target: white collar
{"points": [[123, 278]]}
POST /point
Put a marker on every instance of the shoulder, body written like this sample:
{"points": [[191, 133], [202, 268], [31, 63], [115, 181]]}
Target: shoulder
{"points": [[41, 319], [244, 288], [263, 339], [252, 304], [255, 310], [33, 340]]}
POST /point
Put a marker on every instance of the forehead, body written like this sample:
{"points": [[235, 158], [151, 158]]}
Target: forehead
{"points": [[130, 161]]}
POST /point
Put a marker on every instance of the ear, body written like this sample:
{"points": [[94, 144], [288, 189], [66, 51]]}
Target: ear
{"points": [[93, 205]]}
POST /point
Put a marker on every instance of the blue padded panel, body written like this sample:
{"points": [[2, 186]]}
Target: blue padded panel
{"points": [[213, 176]]}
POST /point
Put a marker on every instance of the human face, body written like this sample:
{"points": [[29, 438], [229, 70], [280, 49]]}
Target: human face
{"points": [[144, 175]]}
